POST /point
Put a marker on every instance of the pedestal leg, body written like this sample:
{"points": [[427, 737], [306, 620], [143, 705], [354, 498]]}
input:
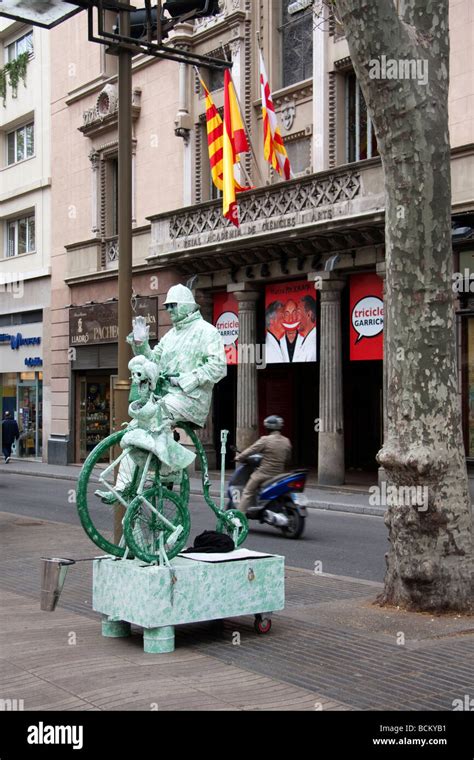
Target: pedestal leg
{"points": [[115, 629], [158, 640]]}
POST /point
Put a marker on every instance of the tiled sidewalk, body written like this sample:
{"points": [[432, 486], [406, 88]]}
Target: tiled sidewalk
{"points": [[330, 649]]}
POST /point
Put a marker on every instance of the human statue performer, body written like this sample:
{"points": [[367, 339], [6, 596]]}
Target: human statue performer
{"points": [[191, 356]]}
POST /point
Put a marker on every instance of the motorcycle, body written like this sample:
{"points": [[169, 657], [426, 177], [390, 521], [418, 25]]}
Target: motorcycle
{"points": [[280, 500]]}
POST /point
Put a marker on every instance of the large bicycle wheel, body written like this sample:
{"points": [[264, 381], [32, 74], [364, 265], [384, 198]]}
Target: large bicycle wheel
{"points": [[97, 518], [150, 517]]}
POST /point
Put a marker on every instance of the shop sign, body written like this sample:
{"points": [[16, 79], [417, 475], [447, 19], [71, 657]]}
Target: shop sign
{"points": [[290, 322], [98, 323], [367, 317], [226, 319], [34, 362], [18, 340]]}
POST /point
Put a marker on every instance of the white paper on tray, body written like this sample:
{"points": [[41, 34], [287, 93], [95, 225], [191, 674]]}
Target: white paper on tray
{"points": [[226, 556]]}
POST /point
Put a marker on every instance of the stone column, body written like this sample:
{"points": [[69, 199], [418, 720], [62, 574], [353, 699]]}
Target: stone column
{"points": [[331, 469], [206, 435], [381, 271], [247, 401]]}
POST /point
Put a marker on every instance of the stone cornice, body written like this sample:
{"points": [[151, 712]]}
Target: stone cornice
{"points": [[296, 92], [90, 242], [218, 25]]}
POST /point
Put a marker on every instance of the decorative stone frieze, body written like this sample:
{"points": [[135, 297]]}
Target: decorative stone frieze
{"points": [[279, 201]]}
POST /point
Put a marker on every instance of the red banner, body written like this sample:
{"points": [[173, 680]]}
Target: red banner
{"points": [[366, 317], [290, 322], [226, 319]]}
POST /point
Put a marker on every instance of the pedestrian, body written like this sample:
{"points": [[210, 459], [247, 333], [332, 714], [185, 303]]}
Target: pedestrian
{"points": [[10, 433]]}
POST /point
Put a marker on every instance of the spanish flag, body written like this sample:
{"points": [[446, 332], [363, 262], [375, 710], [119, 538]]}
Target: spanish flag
{"points": [[274, 149], [234, 143]]}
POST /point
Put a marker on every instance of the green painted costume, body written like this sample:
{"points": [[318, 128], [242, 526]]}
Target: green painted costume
{"points": [[189, 359]]}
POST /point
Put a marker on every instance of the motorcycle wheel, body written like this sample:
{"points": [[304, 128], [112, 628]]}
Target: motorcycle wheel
{"points": [[296, 522]]}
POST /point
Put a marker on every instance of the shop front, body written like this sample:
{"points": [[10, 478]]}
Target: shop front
{"points": [[93, 339], [21, 385]]}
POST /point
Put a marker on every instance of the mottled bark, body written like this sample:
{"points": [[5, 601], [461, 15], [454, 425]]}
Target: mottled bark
{"points": [[430, 562]]}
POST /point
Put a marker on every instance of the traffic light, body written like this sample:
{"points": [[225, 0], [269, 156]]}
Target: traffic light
{"points": [[175, 8], [201, 8], [138, 23]]}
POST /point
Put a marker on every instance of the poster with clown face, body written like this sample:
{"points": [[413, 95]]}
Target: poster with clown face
{"points": [[290, 322]]}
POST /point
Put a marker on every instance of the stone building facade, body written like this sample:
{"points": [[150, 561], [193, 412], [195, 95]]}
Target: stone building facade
{"points": [[25, 240], [324, 227]]}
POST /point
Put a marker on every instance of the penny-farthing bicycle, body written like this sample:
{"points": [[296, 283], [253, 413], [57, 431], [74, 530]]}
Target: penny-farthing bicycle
{"points": [[157, 520]]}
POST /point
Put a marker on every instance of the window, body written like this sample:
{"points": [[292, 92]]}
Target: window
{"points": [[361, 141], [20, 144], [21, 45], [299, 154], [21, 236], [23, 318], [296, 41], [208, 189], [111, 189], [214, 78]]}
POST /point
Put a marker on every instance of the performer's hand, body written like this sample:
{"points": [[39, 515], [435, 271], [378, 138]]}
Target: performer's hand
{"points": [[174, 381], [140, 330]]}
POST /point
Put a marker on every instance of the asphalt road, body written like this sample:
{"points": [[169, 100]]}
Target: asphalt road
{"points": [[341, 543]]}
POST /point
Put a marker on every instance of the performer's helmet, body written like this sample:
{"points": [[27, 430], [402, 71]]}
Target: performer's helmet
{"points": [[180, 294], [274, 422]]}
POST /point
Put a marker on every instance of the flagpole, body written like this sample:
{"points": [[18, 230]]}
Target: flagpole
{"points": [[252, 149]]}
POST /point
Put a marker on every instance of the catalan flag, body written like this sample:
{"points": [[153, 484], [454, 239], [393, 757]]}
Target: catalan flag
{"points": [[274, 149], [215, 140]]}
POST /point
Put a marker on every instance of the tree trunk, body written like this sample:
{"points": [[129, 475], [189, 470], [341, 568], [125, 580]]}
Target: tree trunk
{"points": [[430, 563]]}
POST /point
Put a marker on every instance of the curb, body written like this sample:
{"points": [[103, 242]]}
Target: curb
{"points": [[356, 509], [312, 504]]}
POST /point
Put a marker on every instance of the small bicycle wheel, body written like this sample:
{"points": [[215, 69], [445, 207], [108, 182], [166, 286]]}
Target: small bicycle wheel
{"points": [[143, 525], [225, 524]]}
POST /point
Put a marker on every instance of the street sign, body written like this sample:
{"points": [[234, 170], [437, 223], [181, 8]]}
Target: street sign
{"points": [[45, 13], [49, 13]]}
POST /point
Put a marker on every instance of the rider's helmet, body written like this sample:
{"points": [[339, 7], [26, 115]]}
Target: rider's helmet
{"points": [[274, 422]]}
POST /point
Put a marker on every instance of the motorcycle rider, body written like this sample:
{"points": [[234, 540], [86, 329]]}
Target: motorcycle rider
{"points": [[276, 451]]}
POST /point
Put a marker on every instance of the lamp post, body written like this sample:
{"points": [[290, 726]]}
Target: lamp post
{"points": [[122, 386]]}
